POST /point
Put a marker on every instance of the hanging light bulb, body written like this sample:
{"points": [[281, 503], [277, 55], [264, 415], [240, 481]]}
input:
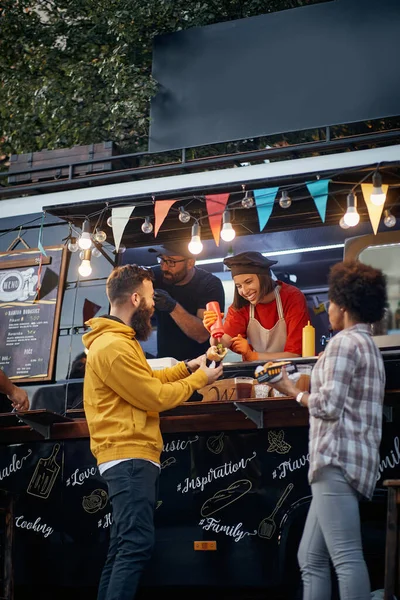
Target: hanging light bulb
{"points": [[184, 216], [73, 245], [85, 241], [100, 236], [247, 201], [285, 200], [96, 252], [81, 254], [85, 268], [195, 246], [343, 224], [109, 221], [351, 218], [147, 226], [378, 196], [227, 231], [389, 219]]}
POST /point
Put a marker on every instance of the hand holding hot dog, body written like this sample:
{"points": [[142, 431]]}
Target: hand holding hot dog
{"points": [[212, 374], [285, 385]]}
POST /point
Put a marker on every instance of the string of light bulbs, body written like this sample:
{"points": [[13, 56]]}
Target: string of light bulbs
{"points": [[351, 218]]}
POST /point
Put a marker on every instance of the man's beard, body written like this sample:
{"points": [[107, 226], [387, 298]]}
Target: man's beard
{"points": [[140, 321], [173, 279]]}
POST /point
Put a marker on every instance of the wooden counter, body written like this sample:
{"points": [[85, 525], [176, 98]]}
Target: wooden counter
{"points": [[252, 413], [226, 414]]}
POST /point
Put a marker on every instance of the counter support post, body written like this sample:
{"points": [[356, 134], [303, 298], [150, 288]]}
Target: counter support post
{"points": [[7, 544], [257, 416], [392, 553]]}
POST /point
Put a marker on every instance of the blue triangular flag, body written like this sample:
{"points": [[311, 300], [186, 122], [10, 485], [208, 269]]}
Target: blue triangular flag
{"points": [[265, 202], [319, 191]]}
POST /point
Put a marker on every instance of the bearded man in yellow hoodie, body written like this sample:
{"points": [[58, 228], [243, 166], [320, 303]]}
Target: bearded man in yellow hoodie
{"points": [[123, 397]]}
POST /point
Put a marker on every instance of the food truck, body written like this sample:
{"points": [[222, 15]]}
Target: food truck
{"points": [[252, 452]]}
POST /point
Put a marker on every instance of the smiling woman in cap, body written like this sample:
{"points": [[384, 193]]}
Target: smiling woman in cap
{"points": [[267, 317]]}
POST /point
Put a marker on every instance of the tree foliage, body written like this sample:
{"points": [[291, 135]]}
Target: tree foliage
{"points": [[79, 71]]}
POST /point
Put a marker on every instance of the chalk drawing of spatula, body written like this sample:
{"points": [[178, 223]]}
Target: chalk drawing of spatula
{"points": [[267, 527]]}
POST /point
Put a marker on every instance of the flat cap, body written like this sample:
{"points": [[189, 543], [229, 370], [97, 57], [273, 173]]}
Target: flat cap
{"points": [[173, 248], [249, 262]]}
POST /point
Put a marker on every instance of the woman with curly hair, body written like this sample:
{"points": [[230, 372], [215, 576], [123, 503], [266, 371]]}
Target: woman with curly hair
{"points": [[345, 407]]}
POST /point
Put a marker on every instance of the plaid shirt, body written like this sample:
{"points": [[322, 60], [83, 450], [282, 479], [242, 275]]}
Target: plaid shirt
{"points": [[345, 405]]}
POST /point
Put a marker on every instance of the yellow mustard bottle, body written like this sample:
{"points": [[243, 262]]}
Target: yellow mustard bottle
{"points": [[308, 340]]}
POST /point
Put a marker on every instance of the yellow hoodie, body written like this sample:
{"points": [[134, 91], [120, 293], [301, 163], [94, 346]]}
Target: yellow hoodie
{"points": [[123, 396]]}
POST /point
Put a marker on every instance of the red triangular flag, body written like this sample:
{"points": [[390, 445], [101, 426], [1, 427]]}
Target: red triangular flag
{"points": [[215, 208], [161, 209]]}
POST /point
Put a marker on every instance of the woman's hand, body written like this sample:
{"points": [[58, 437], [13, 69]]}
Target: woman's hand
{"points": [[240, 345], [209, 319], [285, 385]]}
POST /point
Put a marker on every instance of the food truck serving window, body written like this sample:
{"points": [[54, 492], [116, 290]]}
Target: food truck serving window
{"points": [[381, 251]]}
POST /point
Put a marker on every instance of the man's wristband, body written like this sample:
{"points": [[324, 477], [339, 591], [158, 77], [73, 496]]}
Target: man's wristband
{"points": [[187, 366]]}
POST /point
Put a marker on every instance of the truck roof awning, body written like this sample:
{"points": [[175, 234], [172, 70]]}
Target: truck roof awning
{"points": [[214, 181]]}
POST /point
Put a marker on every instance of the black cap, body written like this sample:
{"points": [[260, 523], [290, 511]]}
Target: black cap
{"points": [[249, 262], [173, 248]]}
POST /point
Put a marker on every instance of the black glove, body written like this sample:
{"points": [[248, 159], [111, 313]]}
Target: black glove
{"points": [[163, 301]]}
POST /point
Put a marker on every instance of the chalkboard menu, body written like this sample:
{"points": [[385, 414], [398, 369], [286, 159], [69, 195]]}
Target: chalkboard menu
{"points": [[31, 289]]}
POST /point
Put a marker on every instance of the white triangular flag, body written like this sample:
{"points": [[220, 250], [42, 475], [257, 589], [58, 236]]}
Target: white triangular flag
{"points": [[119, 218]]}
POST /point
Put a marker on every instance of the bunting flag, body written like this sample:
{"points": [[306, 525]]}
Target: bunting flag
{"points": [[216, 204], [40, 244], [42, 253], [265, 202], [119, 218], [375, 212], [161, 209], [39, 279], [90, 310], [319, 191]]}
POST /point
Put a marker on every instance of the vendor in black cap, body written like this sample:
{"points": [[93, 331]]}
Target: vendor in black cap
{"points": [[267, 317], [181, 292]]}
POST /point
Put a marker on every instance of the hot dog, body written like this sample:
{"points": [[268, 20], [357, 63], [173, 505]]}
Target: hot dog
{"points": [[216, 353], [272, 371]]}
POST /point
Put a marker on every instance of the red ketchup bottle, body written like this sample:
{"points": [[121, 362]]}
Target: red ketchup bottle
{"points": [[217, 331]]}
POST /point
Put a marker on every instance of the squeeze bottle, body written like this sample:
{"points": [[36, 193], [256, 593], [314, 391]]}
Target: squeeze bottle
{"points": [[308, 346], [217, 330]]}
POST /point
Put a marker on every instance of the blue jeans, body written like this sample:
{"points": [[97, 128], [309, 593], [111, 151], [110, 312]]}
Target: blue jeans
{"points": [[132, 489], [333, 531]]}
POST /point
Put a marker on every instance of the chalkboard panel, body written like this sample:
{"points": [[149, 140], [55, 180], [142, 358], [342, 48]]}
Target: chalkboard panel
{"points": [[31, 288]]}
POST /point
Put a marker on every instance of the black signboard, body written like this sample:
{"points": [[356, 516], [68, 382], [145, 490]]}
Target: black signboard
{"points": [[288, 73], [31, 288]]}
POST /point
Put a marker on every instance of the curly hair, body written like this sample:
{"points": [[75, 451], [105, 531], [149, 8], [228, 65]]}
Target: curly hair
{"points": [[266, 286], [359, 289], [124, 281]]}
